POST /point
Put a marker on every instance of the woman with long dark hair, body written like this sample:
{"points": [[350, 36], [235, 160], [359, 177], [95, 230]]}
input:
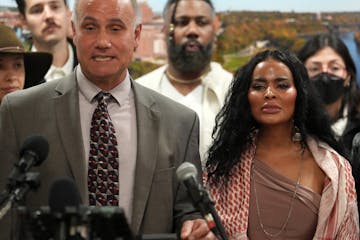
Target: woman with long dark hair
{"points": [[332, 71], [274, 170]]}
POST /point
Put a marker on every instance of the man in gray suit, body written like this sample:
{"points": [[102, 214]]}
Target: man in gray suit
{"points": [[153, 135]]}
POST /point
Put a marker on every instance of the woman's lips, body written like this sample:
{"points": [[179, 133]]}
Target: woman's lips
{"points": [[270, 109]]}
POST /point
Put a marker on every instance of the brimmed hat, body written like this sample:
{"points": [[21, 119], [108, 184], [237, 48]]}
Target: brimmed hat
{"points": [[36, 63]]}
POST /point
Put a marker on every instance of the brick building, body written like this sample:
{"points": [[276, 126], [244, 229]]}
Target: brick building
{"points": [[152, 43]]}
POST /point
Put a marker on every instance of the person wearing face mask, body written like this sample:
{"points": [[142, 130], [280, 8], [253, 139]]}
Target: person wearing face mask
{"points": [[332, 71]]}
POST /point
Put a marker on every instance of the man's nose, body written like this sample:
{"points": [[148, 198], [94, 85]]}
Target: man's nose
{"points": [[48, 13], [192, 29], [103, 40]]}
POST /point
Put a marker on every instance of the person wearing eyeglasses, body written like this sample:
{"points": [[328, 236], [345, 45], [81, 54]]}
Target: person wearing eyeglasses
{"points": [[332, 71]]}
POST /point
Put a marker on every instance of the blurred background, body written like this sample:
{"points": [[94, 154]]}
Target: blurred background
{"points": [[244, 28]]}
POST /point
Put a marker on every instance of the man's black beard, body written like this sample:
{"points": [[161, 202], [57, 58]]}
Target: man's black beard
{"points": [[189, 62]]}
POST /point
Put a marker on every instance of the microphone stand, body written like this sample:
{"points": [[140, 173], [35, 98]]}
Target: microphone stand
{"points": [[17, 190]]}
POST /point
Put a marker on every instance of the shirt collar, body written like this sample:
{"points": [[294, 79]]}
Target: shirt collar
{"points": [[121, 92], [57, 72]]}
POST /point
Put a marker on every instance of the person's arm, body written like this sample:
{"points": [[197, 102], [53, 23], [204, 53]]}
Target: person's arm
{"points": [[183, 208], [196, 229], [189, 222], [349, 228], [355, 163], [9, 155]]}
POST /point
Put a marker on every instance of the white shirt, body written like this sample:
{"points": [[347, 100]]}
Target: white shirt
{"points": [[210, 96], [123, 116], [339, 126], [192, 100], [59, 72]]}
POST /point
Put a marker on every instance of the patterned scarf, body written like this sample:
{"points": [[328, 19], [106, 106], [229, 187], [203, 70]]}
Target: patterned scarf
{"points": [[338, 214]]}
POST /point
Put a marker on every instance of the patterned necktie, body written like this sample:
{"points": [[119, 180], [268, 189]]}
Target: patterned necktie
{"points": [[103, 171]]}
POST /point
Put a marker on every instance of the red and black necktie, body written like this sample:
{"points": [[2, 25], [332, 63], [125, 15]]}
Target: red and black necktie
{"points": [[103, 169]]}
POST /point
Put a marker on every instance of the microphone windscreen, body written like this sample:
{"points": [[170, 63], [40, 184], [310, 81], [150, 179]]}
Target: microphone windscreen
{"points": [[185, 171], [38, 145], [63, 193]]}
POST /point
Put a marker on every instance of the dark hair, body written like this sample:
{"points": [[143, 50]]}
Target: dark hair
{"points": [[170, 2], [320, 41], [22, 3], [235, 123]]}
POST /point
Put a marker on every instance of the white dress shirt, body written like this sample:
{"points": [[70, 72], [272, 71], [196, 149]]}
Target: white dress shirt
{"points": [[123, 116]]}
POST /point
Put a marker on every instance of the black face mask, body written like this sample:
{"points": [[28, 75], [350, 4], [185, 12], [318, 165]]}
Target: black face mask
{"points": [[329, 87]]}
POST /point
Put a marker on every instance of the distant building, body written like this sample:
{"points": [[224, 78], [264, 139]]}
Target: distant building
{"points": [[10, 16], [152, 45]]}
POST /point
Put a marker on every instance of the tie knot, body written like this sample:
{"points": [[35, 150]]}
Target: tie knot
{"points": [[103, 97]]}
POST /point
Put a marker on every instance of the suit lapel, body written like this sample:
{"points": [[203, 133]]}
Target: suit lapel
{"points": [[147, 127], [68, 122]]}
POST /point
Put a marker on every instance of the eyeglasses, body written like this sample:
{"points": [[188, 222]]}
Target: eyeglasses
{"points": [[333, 68]]}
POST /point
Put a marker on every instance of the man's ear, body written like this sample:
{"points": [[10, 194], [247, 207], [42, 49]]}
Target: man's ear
{"points": [[137, 35], [23, 19], [216, 24], [74, 33]]}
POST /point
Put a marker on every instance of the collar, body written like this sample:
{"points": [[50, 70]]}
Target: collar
{"points": [[215, 80], [57, 72], [121, 92]]}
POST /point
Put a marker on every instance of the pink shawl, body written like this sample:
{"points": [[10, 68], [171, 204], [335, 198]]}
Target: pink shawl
{"points": [[338, 214]]}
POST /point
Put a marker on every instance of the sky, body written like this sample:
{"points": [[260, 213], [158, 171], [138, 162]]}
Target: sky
{"points": [[261, 5]]}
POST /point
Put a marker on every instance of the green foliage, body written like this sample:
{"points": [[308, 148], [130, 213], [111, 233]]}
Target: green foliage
{"points": [[139, 68], [232, 62], [242, 29], [282, 29]]}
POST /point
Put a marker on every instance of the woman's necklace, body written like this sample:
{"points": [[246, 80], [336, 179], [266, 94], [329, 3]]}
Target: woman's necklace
{"points": [[274, 235], [181, 81]]}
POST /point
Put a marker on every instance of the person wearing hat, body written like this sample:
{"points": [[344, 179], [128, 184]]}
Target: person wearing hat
{"points": [[19, 69]]}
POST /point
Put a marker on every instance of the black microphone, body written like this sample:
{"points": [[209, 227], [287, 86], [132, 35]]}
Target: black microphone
{"points": [[32, 153], [187, 173], [64, 201], [63, 193]]}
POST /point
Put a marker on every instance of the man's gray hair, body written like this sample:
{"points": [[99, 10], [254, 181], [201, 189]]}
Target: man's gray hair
{"points": [[134, 3]]}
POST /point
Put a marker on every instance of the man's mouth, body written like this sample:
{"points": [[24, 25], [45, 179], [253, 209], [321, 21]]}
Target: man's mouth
{"points": [[102, 58], [192, 47], [50, 28]]}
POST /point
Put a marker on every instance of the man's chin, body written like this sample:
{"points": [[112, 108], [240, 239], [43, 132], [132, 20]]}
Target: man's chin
{"points": [[51, 39]]}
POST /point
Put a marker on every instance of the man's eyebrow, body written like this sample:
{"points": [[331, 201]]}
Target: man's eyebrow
{"points": [[112, 20]]}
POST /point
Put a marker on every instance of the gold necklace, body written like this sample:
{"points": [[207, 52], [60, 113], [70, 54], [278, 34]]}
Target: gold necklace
{"points": [[274, 235], [181, 81]]}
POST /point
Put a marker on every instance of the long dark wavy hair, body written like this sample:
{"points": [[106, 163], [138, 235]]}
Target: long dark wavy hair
{"points": [[320, 41], [235, 123]]}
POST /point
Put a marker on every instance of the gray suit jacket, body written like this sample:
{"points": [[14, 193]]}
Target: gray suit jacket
{"points": [[167, 136]]}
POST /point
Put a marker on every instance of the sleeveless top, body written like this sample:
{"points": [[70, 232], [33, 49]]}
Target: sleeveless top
{"points": [[274, 194]]}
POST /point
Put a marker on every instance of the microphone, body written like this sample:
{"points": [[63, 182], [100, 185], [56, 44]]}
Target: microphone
{"points": [[187, 173], [64, 201], [63, 193], [32, 153]]}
